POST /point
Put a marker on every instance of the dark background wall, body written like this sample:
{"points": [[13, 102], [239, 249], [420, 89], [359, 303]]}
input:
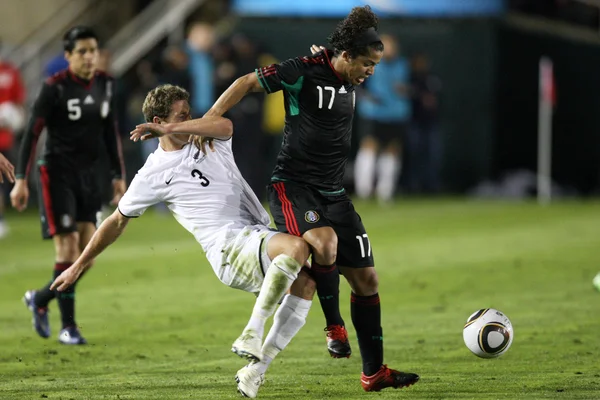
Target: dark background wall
{"points": [[576, 127]]}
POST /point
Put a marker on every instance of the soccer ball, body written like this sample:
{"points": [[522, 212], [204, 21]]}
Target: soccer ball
{"points": [[488, 333]]}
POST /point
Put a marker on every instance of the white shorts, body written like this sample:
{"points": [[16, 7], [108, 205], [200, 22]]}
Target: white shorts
{"points": [[243, 261]]}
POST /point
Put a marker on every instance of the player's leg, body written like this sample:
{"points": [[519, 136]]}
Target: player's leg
{"points": [[297, 210], [289, 319], [70, 333], [284, 254], [355, 257], [364, 164], [57, 209], [88, 204], [389, 162]]}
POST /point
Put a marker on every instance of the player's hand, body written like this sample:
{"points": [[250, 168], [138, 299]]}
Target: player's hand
{"points": [[314, 49], [6, 168], [19, 195], [67, 278], [201, 142], [119, 188], [147, 131]]}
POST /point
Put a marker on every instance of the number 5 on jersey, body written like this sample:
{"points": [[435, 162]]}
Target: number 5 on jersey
{"points": [[321, 94], [74, 109]]}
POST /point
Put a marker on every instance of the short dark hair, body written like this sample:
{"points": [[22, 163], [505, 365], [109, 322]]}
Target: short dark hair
{"points": [[77, 33], [159, 101], [349, 33]]}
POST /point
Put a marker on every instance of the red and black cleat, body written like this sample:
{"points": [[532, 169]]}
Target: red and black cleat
{"points": [[387, 377], [337, 341]]}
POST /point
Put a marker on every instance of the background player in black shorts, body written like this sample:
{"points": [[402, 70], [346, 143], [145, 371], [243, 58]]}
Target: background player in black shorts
{"points": [[306, 195], [77, 108]]}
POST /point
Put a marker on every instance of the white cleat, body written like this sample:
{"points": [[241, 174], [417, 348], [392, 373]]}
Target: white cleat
{"points": [[248, 346], [249, 380]]}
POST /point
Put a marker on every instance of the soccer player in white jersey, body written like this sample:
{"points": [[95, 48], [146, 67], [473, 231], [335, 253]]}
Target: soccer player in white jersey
{"points": [[208, 196]]}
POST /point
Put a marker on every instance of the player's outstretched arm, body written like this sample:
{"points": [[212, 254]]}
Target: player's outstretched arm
{"points": [[234, 93], [213, 127], [110, 229]]}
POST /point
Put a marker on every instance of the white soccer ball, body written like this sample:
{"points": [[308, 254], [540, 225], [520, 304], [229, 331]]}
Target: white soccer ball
{"points": [[488, 333]]}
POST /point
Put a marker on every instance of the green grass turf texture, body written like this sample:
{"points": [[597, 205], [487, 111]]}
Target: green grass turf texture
{"points": [[160, 324]]}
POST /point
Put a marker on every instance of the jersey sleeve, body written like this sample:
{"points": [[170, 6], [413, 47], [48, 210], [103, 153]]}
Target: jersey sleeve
{"points": [[112, 138], [275, 77], [42, 109], [138, 197]]}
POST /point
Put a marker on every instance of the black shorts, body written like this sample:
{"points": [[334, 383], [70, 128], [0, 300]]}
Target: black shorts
{"points": [[297, 208], [67, 197], [385, 132]]}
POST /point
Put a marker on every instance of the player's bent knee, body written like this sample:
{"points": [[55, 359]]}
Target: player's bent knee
{"points": [[298, 249], [324, 243]]}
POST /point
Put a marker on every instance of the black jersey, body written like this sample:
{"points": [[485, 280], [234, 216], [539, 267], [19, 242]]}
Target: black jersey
{"points": [[318, 125], [78, 115]]}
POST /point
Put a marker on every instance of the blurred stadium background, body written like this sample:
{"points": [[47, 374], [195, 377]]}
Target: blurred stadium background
{"points": [[440, 255]]}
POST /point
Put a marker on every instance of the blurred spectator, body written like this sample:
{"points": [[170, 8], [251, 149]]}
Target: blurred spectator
{"points": [[423, 140], [385, 108], [175, 69], [247, 119], [12, 119], [56, 64], [199, 44]]}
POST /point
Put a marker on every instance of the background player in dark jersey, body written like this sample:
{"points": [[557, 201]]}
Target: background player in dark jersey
{"points": [[77, 108], [306, 195]]}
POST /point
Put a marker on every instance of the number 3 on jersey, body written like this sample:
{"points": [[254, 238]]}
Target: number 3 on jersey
{"points": [[203, 180], [321, 94]]}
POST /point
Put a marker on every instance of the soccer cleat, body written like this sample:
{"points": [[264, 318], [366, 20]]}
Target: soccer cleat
{"points": [[40, 315], [248, 346], [337, 341], [387, 377], [71, 335], [249, 380]]}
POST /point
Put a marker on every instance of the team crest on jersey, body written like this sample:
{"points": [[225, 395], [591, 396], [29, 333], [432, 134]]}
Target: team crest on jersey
{"points": [[66, 220], [104, 109], [311, 217]]}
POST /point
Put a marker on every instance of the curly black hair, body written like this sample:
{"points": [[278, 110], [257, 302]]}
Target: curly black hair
{"points": [[351, 29]]}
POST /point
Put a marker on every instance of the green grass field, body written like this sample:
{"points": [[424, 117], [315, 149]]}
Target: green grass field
{"points": [[160, 325]]}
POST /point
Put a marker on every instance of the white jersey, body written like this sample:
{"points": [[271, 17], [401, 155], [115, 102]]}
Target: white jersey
{"points": [[205, 192]]}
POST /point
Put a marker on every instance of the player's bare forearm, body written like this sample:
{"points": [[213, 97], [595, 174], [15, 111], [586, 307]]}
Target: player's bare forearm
{"points": [[234, 93], [208, 126], [110, 229]]}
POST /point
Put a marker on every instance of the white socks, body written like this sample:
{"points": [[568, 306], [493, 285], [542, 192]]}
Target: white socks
{"points": [[367, 166], [289, 318], [280, 275], [388, 168], [364, 172]]}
